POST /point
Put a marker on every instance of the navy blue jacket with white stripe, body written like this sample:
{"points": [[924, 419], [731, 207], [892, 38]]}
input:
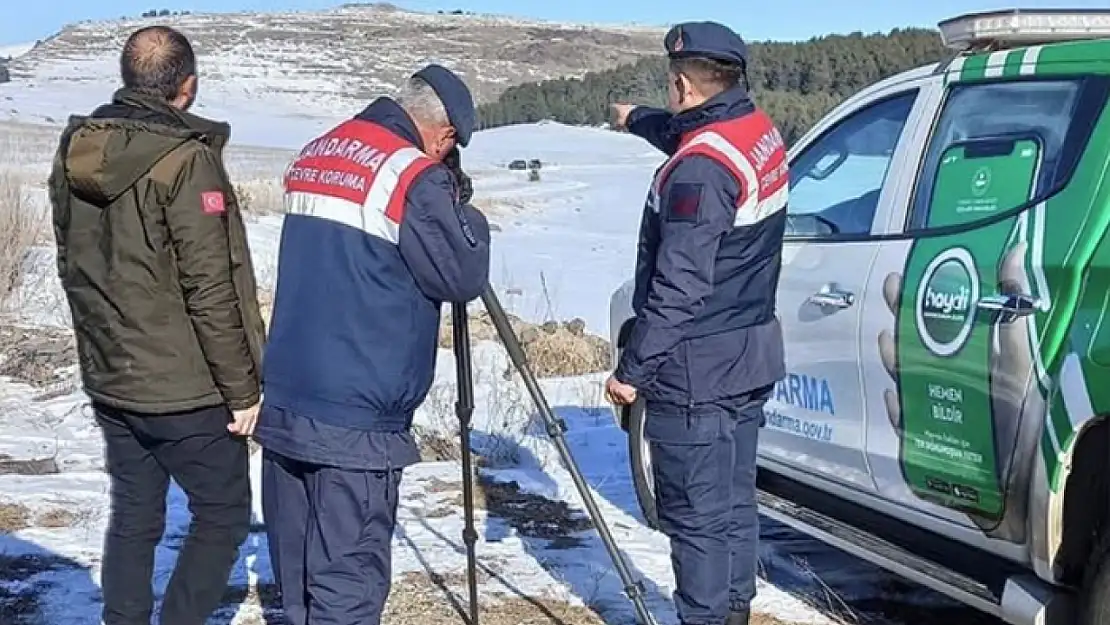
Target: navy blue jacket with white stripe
{"points": [[373, 243], [710, 251]]}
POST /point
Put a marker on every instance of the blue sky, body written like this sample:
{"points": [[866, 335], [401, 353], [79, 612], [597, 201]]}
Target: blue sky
{"points": [[773, 19]]}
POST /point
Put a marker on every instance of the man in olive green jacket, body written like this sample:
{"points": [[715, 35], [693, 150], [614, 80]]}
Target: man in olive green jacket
{"points": [[153, 256]]}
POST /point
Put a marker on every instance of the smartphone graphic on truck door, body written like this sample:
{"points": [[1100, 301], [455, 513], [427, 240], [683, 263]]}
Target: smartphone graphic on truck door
{"points": [[956, 440]]}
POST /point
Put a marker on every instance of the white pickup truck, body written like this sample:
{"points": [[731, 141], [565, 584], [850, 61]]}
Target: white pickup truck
{"points": [[944, 299]]}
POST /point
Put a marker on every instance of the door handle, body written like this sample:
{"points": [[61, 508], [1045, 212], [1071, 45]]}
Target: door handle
{"points": [[831, 296], [1010, 306]]}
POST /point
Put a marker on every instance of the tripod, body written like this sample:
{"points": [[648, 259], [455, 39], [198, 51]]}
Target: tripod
{"points": [[556, 429]]}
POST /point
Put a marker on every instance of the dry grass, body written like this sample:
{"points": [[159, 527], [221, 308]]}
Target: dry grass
{"points": [[261, 196], [440, 442], [765, 619], [419, 598], [14, 517], [435, 447], [266, 306], [564, 350], [21, 226], [38, 356], [553, 349], [57, 518]]}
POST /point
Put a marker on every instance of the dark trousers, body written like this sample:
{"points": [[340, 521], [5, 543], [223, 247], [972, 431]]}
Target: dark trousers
{"points": [[210, 465], [330, 532], [704, 467]]}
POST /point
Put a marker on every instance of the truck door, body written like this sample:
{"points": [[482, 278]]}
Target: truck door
{"points": [[954, 319], [840, 191]]}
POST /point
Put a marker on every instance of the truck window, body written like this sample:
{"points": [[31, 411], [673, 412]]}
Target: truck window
{"points": [[1060, 112], [835, 183]]}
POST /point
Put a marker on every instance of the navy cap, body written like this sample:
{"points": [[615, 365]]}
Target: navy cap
{"points": [[706, 40], [456, 98]]}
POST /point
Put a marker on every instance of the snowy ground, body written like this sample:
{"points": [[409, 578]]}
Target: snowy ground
{"points": [[561, 246]]}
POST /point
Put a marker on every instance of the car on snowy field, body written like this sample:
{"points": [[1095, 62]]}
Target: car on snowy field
{"points": [[945, 302]]}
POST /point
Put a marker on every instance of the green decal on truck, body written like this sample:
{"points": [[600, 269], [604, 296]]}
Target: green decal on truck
{"points": [[955, 451]]}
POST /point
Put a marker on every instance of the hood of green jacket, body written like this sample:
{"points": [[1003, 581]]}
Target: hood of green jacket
{"points": [[108, 151]]}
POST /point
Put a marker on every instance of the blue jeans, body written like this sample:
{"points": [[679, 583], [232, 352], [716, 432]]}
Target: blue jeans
{"points": [[704, 464]]}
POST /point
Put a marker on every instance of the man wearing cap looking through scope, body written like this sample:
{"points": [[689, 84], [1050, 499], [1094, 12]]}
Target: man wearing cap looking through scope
{"points": [[378, 235], [706, 347]]}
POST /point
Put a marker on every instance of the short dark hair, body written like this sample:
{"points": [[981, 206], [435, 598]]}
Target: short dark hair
{"points": [[709, 73], [156, 60]]}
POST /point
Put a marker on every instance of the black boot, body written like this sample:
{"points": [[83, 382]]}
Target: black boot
{"points": [[737, 618]]}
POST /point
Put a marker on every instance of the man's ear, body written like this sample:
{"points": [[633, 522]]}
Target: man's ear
{"points": [[187, 94], [445, 138], [684, 86], [449, 135]]}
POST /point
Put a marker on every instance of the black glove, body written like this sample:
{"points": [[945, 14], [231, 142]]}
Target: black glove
{"points": [[462, 181]]}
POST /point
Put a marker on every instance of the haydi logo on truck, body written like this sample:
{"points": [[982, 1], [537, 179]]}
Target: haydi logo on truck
{"points": [[944, 301]]}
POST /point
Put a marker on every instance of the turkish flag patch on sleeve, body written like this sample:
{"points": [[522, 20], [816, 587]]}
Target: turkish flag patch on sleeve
{"points": [[684, 202], [212, 202]]}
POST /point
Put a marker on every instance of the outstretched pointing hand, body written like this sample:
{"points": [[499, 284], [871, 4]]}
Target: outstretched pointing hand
{"points": [[621, 111]]}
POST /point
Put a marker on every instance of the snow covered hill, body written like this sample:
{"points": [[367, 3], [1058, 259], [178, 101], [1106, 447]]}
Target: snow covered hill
{"points": [[297, 66]]}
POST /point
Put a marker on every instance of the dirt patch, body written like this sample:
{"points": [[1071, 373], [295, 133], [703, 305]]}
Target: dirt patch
{"points": [[529, 514], [14, 517], [532, 515], [38, 356], [441, 512], [455, 503], [32, 466], [436, 485], [553, 349]]}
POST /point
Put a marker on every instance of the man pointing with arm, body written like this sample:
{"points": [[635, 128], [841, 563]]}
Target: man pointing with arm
{"points": [[706, 347]]}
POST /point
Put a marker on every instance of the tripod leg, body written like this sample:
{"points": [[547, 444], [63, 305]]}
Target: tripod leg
{"points": [[556, 429], [464, 409]]}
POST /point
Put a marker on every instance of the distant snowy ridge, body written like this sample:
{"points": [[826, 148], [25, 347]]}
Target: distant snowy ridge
{"points": [[313, 65]]}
